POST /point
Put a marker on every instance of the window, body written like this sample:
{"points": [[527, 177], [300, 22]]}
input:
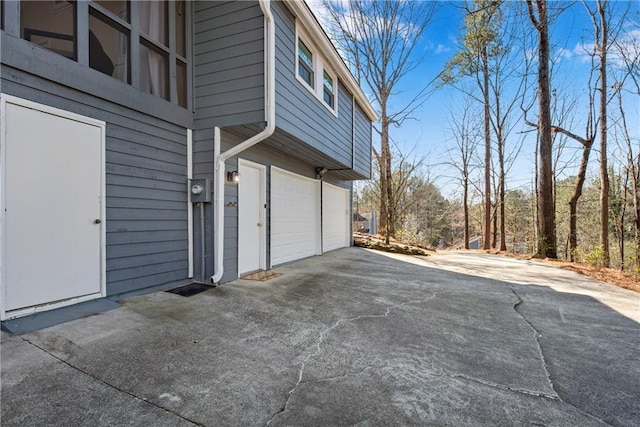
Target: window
{"points": [[313, 72], [161, 67], [119, 8], [108, 46], [328, 89], [305, 63], [51, 25]]}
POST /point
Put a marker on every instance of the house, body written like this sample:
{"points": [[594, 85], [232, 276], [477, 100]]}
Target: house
{"points": [[146, 145]]}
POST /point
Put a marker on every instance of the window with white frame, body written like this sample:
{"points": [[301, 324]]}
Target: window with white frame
{"points": [[328, 91], [305, 63], [313, 72]]}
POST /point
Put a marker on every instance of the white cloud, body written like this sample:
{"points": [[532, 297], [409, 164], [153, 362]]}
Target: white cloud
{"points": [[442, 49]]}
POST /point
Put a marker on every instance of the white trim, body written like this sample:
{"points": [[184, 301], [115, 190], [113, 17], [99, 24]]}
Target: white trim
{"points": [[319, 67], [21, 312], [297, 62], [263, 211], [310, 24], [4, 99], [189, 205], [3, 168]]}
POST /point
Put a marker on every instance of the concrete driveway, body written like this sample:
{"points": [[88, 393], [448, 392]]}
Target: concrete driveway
{"points": [[351, 338]]}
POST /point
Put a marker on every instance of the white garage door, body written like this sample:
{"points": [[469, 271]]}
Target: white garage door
{"points": [[335, 217], [295, 216]]}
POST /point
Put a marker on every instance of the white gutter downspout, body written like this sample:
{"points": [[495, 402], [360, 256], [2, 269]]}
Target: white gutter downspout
{"points": [[221, 158]]}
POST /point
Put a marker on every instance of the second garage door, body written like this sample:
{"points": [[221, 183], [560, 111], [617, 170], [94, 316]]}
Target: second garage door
{"points": [[295, 216], [335, 217]]}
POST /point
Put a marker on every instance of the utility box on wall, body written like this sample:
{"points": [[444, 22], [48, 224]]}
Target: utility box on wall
{"points": [[200, 190]]}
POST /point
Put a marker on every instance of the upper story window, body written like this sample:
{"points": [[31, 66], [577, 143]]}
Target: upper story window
{"points": [[328, 91], [111, 37], [312, 69], [305, 63]]}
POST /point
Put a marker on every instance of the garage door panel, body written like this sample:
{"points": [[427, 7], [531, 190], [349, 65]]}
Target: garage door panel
{"points": [[335, 217], [294, 216]]}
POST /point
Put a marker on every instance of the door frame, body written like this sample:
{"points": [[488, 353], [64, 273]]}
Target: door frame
{"points": [[262, 193], [9, 99]]}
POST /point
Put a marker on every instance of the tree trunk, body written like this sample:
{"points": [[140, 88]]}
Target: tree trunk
{"points": [[573, 201], [465, 207], [501, 192], [547, 245], [386, 186], [604, 173], [487, 150], [494, 217]]}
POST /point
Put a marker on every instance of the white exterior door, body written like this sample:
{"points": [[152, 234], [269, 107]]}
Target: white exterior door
{"points": [[251, 217], [335, 217], [53, 163], [295, 216]]}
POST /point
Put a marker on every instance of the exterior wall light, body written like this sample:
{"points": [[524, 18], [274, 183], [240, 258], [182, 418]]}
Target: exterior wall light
{"points": [[233, 176]]}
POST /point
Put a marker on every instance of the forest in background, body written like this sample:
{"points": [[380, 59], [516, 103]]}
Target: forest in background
{"points": [[583, 201]]}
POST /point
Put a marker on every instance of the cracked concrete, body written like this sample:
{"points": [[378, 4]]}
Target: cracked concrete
{"points": [[350, 338], [537, 336], [321, 338]]}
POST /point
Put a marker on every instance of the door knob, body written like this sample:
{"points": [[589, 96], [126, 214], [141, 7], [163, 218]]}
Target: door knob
{"points": [[259, 224], [97, 221]]}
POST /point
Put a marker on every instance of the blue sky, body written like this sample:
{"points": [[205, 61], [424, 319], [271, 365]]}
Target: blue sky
{"points": [[428, 137]]}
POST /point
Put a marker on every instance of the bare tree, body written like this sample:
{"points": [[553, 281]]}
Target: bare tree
{"points": [[632, 170], [463, 128], [627, 51], [378, 40], [600, 19], [479, 42], [547, 245]]}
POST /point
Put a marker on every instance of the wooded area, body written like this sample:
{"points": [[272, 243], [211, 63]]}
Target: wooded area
{"points": [[583, 200]]}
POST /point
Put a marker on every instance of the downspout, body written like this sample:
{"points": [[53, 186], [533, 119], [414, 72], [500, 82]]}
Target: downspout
{"points": [[221, 158]]}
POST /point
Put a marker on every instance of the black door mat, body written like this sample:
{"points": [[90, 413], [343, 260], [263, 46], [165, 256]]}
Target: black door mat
{"points": [[192, 289]]}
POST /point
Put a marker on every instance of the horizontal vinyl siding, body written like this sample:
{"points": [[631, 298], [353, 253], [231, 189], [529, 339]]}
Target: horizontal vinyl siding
{"points": [[298, 111], [228, 63], [363, 142], [146, 201], [230, 226]]}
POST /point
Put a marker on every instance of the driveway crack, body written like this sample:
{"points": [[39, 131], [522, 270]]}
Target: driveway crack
{"points": [[323, 334], [109, 385], [537, 335], [505, 387]]}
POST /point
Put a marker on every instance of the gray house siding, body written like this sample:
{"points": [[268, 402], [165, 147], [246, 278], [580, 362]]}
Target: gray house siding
{"points": [[302, 115], [228, 63], [146, 162], [298, 111], [229, 90], [363, 142]]}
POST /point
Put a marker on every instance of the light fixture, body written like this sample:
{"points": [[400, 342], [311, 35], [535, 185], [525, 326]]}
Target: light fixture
{"points": [[321, 171], [233, 176]]}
